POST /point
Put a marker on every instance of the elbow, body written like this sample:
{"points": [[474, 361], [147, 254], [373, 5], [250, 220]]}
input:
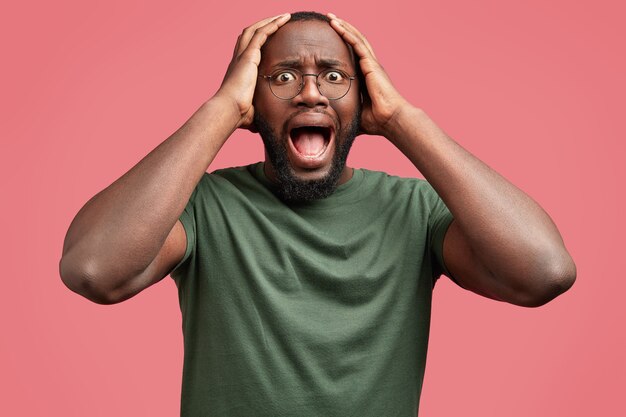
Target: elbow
{"points": [[84, 282], [553, 281]]}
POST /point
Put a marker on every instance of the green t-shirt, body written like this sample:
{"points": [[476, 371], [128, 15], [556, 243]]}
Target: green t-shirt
{"points": [[317, 309]]}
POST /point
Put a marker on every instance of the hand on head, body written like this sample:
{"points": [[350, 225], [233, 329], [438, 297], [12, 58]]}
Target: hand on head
{"points": [[381, 101], [241, 77]]}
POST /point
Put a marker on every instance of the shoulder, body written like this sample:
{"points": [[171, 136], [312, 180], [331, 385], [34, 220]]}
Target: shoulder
{"points": [[234, 172], [224, 178], [412, 187], [234, 185]]}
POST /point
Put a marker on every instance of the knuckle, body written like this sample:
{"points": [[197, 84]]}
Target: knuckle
{"points": [[270, 27], [248, 55], [260, 35]]}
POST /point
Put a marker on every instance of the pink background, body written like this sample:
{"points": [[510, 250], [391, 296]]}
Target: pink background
{"points": [[535, 89]]}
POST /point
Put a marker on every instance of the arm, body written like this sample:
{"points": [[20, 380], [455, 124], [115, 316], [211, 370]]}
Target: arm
{"points": [[128, 236], [502, 244]]}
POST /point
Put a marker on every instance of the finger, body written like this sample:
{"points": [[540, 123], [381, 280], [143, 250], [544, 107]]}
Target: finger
{"points": [[236, 50], [346, 30], [353, 40], [261, 34], [361, 36], [358, 34], [248, 33], [244, 37]]}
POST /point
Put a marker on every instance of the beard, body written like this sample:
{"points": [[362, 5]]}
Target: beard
{"points": [[292, 189]]}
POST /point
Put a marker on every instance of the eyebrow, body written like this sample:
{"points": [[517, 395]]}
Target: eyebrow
{"points": [[296, 63]]}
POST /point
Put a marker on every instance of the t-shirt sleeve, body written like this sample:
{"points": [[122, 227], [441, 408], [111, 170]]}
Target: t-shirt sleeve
{"points": [[188, 219], [439, 220]]}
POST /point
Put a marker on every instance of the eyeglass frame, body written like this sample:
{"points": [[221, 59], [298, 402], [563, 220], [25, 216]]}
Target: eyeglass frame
{"points": [[269, 81]]}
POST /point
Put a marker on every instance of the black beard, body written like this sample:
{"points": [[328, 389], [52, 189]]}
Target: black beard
{"points": [[292, 189]]}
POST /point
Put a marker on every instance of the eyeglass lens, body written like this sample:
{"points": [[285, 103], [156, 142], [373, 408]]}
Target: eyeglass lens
{"points": [[287, 83]]}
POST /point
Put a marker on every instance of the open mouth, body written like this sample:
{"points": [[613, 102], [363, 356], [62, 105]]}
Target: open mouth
{"points": [[310, 141]]}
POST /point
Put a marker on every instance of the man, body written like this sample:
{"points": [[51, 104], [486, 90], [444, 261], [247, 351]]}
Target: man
{"points": [[305, 285]]}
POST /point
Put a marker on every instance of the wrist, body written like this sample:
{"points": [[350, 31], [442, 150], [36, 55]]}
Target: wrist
{"points": [[400, 123], [225, 110]]}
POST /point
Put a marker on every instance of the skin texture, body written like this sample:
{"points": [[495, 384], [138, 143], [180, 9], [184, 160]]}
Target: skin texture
{"points": [[501, 244], [306, 45], [290, 186]]}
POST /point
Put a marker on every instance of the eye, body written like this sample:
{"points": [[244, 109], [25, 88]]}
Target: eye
{"points": [[284, 77], [334, 77]]}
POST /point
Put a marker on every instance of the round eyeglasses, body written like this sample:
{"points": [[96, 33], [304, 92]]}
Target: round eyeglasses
{"points": [[286, 83]]}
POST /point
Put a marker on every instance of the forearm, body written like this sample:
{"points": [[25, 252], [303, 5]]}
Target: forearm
{"points": [[120, 230], [509, 233]]}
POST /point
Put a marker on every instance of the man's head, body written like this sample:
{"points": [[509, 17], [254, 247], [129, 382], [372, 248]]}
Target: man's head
{"points": [[308, 137]]}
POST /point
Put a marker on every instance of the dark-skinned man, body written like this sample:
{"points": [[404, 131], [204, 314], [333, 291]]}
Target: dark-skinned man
{"points": [[305, 285]]}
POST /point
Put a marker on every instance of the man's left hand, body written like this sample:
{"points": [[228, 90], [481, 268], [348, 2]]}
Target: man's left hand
{"points": [[382, 103]]}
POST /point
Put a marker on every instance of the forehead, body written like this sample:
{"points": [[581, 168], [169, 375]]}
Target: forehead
{"points": [[305, 41]]}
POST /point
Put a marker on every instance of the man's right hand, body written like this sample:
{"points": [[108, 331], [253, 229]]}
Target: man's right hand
{"points": [[240, 80]]}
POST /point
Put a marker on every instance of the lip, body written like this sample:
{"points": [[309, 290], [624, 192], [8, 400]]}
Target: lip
{"points": [[313, 119]]}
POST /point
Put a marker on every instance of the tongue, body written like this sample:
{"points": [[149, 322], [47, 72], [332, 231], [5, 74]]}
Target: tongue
{"points": [[308, 142]]}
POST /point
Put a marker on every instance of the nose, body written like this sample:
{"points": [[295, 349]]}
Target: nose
{"points": [[310, 95]]}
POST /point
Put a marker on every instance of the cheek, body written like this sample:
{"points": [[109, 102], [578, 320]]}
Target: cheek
{"points": [[347, 108], [258, 99], [262, 104], [263, 96], [270, 110]]}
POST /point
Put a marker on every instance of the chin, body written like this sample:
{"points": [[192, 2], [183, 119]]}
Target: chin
{"points": [[298, 183]]}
